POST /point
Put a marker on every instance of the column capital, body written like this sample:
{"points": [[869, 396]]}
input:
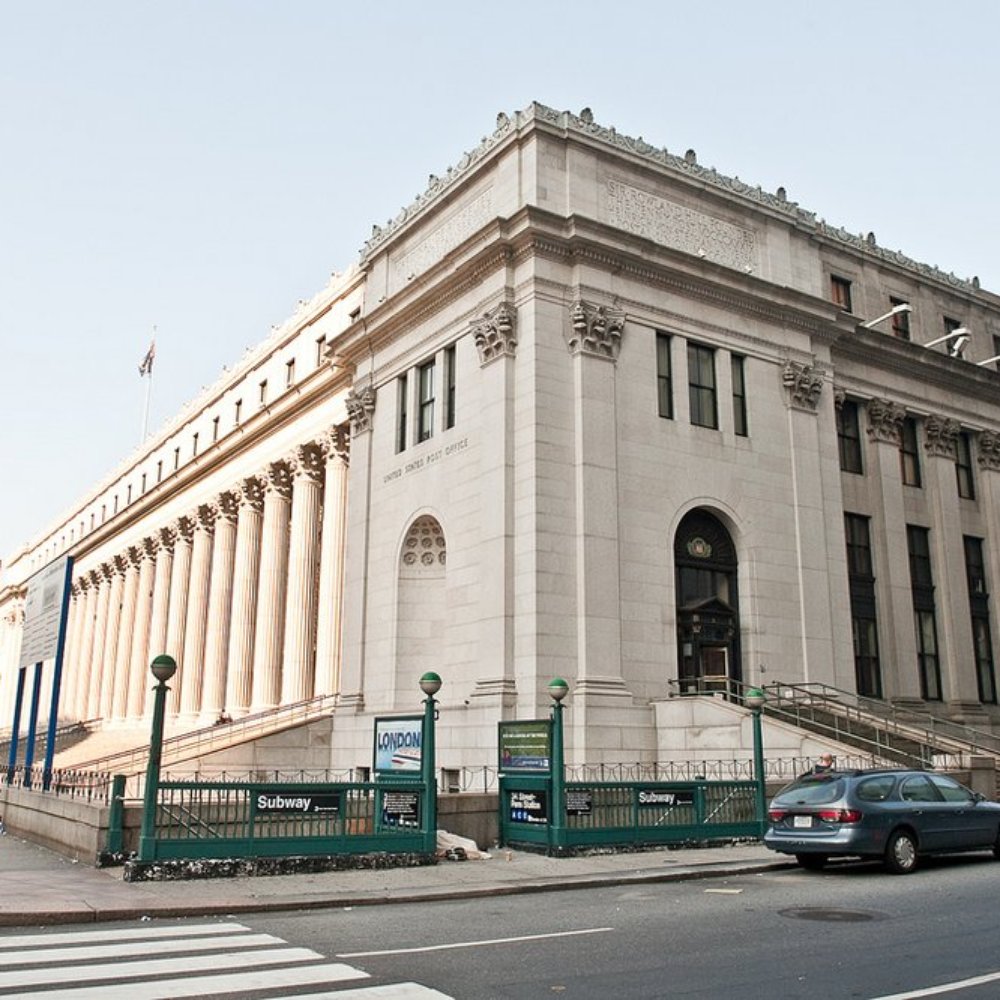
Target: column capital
{"points": [[988, 451], [119, 564], [150, 546], [250, 493], [95, 576], [307, 461], [940, 436], [167, 538], [205, 516], [360, 403], [595, 330], [227, 505], [495, 334], [184, 529], [278, 479], [885, 421], [336, 442], [803, 384]]}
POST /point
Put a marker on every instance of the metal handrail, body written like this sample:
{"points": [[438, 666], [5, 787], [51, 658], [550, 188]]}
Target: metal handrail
{"points": [[209, 739]]}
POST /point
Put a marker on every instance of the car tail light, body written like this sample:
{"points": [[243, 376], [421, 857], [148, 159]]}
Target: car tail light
{"points": [[776, 815], [840, 815]]}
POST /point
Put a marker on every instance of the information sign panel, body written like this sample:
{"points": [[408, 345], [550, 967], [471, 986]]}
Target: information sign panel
{"points": [[43, 612], [579, 802], [398, 742], [661, 798], [401, 808], [526, 745], [296, 800], [529, 807]]}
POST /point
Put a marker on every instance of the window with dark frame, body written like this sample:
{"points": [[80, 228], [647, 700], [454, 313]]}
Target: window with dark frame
{"points": [[320, 350], [664, 377], [449, 383], [739, 395], [177, 458], [979, 613], [159, 471], [425, 414], [142, 484], [924, 619], [194, 444], [951, 325], [262, 393], [849, 437], [701, 386], [401, 404], [909, 453], [963, 467], [864, 621], [215, 429], [290, 373], [840, 292], [237, 412], [900, 320]]}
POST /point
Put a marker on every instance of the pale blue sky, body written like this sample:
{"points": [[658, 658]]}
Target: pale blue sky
{"points": [[202, 165]]}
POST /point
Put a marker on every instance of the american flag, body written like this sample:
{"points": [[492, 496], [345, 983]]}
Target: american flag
{"points": [[146, 366]]}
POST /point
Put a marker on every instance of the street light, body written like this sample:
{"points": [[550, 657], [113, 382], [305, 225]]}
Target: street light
{"points": [[430, 684], [961, 336], [558, 689], [162, 668], [903, 307], [754, 698]]}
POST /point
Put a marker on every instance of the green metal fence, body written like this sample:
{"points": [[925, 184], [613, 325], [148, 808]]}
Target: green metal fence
{"points": [[249, 819], [593, 814]]}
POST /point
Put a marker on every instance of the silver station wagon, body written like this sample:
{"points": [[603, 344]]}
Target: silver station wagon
{"points": [[892, 815]]}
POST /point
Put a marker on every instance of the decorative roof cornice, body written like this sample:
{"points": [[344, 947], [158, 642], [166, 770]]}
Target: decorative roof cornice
{"points": [[583, 124]]}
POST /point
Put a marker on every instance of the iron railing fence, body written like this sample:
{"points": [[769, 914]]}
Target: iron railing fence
{"points": [[93, 786], [42, 736]]}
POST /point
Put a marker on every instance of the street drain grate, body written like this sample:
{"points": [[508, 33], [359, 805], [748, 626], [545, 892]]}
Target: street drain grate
{"points": [[829, 915]]}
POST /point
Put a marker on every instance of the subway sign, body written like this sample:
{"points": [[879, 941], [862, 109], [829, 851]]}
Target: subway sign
{"points": [[296, 801]]}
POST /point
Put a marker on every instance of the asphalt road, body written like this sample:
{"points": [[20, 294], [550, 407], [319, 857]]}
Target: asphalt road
{"points": [[849, 932]]}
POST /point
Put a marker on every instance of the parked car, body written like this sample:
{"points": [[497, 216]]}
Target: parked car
{"points": [[895, 815]]}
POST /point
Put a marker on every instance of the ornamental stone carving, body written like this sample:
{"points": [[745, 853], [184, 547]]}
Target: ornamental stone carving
{"points": [[336, 444], [940, 436], [184, 529], [804, 385], [989, 451], [360, 405], [595, 330], [228, 505], [205, 516], [250, 493], [167, 538], [307, 460], [278, 479], [495, 335], [885, 421]]}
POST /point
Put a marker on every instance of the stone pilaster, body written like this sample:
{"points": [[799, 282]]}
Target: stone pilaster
{"points": [[331, 571], [270, 630], [140, 679], [246, 573], [99, 585], [191, 674], [126, 631], [85, 650], [115, 571], [219, 607], [180, 575], [166, 539]]}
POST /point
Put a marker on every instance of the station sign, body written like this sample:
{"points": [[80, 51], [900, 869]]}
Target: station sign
{"points": [[296, 801], [665, 798], [525, 746], [528, 807]]}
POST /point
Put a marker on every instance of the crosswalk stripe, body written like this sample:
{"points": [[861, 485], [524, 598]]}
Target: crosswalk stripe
{"points": [[124, 934], [154, 967], [166, 946], [196, 986], [390, 991]]}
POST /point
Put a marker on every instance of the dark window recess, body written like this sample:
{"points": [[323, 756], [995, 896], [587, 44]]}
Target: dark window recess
{"points": [[900, 321], [979, 611], [739, 395], [449, 385], [909, 453], [401, 404], [840, 292], [849, 437], [963, 467], [701, 386], [425, 415], [864, 621], [664, 377], [924, 620]]}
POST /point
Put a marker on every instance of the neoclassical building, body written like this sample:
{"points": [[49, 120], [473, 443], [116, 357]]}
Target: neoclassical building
{"points": [[587, 409]]}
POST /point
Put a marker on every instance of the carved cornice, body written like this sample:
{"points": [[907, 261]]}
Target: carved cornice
{"points": [[495, 334], [308, 461], [885, 421], [988, 451], [278, 480], [595, 330], [940, 436], [803, 384], [360, 405]]}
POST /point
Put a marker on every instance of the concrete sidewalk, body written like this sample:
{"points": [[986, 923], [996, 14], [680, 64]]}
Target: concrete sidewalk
{"points": [[38, 887]]}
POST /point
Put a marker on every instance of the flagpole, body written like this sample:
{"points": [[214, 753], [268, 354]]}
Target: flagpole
{"points": [[146, 369]]}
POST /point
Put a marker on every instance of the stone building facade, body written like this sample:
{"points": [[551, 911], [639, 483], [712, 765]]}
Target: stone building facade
{"points": [[586, 408]]}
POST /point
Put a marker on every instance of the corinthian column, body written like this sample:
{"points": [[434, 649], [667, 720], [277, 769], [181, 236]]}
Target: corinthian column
{"points": [[86, 650], [271, 595], [331, 562], [180, 574], [106, 678], [138, 659], [193, 664], [246, 573], [100, 585], [298, 663], [70, 686], [166, 538], [126, 631], [220, 599]]}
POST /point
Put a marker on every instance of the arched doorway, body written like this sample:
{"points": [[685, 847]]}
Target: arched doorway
{"points": [[708, 633]]}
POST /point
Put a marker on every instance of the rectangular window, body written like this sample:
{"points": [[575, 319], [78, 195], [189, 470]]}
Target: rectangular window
{"points": [[194, 444], [128, 495], [237, 412], [401, 402], [114, 508], [449, 377], [864, 623], [215, 429], [963, 467], [664, 377], [91, 521], [979, 611], [104, 513], [425, 416], [849, 437], [354, 315], [142, 484], [177, 458], [739, 395], [924, 622], [289, 373], [840, 292], [901, 320], [951, 325], [909, 454], [159, 471], [996, 351], [701, 386], [262, 393], [320, 350], [859, 546]]}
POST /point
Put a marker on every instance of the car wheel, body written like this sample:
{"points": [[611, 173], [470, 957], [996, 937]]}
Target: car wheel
{"points": [[901, 853], [811, 862]]}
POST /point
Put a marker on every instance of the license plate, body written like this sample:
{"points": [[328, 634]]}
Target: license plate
{"points": [[801, 822]]}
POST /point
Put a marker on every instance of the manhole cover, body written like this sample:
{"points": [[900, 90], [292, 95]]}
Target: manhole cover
{"points": [[830, 915]]}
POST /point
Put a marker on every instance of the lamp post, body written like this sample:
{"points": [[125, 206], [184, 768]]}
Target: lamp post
{"points": [[754, 698], [430, 684], [558, 689], [163, 668]]}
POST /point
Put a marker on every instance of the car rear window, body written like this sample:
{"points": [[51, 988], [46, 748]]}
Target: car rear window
{"points": [[812, 790], [875, 789]]}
